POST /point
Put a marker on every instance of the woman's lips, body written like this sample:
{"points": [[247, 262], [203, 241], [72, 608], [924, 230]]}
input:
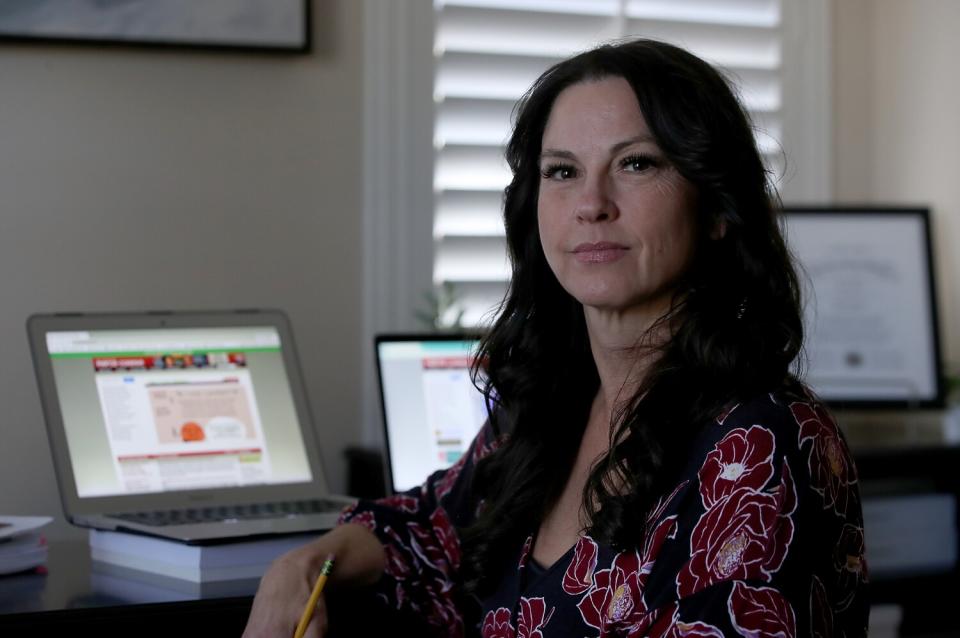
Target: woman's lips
{"points": [[599, 253]]}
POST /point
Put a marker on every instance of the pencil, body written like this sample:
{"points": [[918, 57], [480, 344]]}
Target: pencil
{"points": [[314, 597]]}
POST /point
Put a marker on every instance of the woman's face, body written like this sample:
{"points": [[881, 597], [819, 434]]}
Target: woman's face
{"points": [[617, 221]]}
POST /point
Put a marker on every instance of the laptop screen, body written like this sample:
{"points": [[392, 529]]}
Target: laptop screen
{"points": [[432, 410], [169, 409]]}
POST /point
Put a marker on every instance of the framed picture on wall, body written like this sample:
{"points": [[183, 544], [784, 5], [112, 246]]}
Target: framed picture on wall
{"points": [[870, 305], [280, 25]]}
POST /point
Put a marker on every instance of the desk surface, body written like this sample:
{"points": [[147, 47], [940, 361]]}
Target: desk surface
{"points": [[79, 594], [75, 590]]}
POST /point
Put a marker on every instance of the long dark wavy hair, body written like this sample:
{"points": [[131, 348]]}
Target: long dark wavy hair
{"points": [[736, 323]]}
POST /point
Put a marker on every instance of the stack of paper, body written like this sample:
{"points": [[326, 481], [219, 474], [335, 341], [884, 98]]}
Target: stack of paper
{"points": [[22, 545], [195, 563]]}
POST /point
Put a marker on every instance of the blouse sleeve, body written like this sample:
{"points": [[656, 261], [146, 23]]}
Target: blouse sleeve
{"points": [[765, 534], [418, 531]]}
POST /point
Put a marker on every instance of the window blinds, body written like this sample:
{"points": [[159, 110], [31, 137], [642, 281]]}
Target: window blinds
{"points": [[488, 52]]}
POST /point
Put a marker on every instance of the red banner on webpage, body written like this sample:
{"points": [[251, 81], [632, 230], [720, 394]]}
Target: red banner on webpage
{"points": [[440, 363], [151, 457], [171, 361]]}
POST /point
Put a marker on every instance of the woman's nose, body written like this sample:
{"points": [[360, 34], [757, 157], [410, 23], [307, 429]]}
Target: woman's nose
{"points": [[595, 203]]}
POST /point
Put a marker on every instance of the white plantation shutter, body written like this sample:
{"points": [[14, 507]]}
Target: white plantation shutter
{"points": [[488, 52]]}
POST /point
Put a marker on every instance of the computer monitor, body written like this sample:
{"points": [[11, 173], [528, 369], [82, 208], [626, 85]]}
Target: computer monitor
{"points": [[431, 408]]}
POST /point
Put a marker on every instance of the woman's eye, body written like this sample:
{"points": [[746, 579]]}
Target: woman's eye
{"points": [[639, 163], [558, 171]]}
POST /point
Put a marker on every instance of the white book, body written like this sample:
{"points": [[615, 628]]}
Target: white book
{"points": [[196, 563], [22, 544], [24, 552]]}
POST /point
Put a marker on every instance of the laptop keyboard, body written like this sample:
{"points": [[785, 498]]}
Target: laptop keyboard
{"points": [[232, 512]]}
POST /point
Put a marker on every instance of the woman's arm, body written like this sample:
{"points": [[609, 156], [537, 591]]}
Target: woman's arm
{"points": [[406, 545], [286, 586]]}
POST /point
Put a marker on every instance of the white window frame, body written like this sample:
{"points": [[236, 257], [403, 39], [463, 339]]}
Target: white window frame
{"points": [[398, 156]]}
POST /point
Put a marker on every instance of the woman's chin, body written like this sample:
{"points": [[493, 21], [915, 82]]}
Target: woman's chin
{"points": [[620, 302]]}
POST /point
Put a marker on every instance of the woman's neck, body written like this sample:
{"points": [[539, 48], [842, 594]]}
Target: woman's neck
{"points": [[624, 347]]}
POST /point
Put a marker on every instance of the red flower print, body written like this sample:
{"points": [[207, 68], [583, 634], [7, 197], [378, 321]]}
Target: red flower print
{"points": [[850, 565], [744, 458], [421, 571], [831, 470], [398, 566], [346, 513], [615, 597], [696, 629], [657, 511], [401, 502], [615, 601], [786, 493], [483, 448], [436, 546], [726, 413], [479, 444], [821, 615], [447, 536], [364, 518], [525, 552], [652, 543], [442, 613], [496, 624], [579, 575], [533, 616], [760, 612], [667, 624], [745, 535], [449, 478]]}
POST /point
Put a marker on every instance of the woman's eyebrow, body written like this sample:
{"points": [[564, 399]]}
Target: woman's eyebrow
{"points": [[555, 152], [643, 138]]}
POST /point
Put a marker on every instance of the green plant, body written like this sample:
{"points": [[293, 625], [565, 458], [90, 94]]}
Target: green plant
{"points": [[443, 309]]}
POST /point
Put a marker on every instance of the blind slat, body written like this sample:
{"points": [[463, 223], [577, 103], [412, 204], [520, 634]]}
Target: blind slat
{"points": [[479, 122], [754, 13], [470, 168], [574, 7], [723, 45], [471, 259], [467, 213], [487, 76], [518, 32]]}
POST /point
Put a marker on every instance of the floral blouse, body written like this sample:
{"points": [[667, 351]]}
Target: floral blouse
{"points": [[762, 536]]}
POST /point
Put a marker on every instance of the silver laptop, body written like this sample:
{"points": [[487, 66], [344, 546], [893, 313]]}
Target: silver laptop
{"points": [[188, 426], [431, 409]]}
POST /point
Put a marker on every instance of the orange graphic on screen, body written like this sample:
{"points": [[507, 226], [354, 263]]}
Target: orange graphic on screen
{"points": [[195, 412], [191, 431]]}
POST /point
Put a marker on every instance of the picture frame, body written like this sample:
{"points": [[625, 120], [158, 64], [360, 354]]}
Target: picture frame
{"points": [[252, 25], [870, 311]]}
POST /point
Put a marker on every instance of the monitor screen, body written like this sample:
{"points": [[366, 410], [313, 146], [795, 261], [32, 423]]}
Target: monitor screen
{"points": [[153, 410], [432, 410]]}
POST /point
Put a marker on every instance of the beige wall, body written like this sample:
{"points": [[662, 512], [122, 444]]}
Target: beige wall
{"points": [[897, 122], [139, 178]]}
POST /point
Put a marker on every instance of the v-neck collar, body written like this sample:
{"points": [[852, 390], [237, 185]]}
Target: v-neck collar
{"points": [[530, 577]]}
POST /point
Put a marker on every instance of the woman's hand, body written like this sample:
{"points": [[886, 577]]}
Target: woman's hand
{"points": [[282, 595], [285, 587]]}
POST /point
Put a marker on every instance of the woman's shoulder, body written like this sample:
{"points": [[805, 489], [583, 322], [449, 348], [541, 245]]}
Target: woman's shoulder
{"points": [[786, 432], [791, 414]]}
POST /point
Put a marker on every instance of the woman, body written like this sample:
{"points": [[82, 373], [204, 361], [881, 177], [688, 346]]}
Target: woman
{"points": [[651, 467]]}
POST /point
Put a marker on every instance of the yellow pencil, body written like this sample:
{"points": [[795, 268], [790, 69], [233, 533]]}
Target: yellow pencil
{"points": [[314, 597]]}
